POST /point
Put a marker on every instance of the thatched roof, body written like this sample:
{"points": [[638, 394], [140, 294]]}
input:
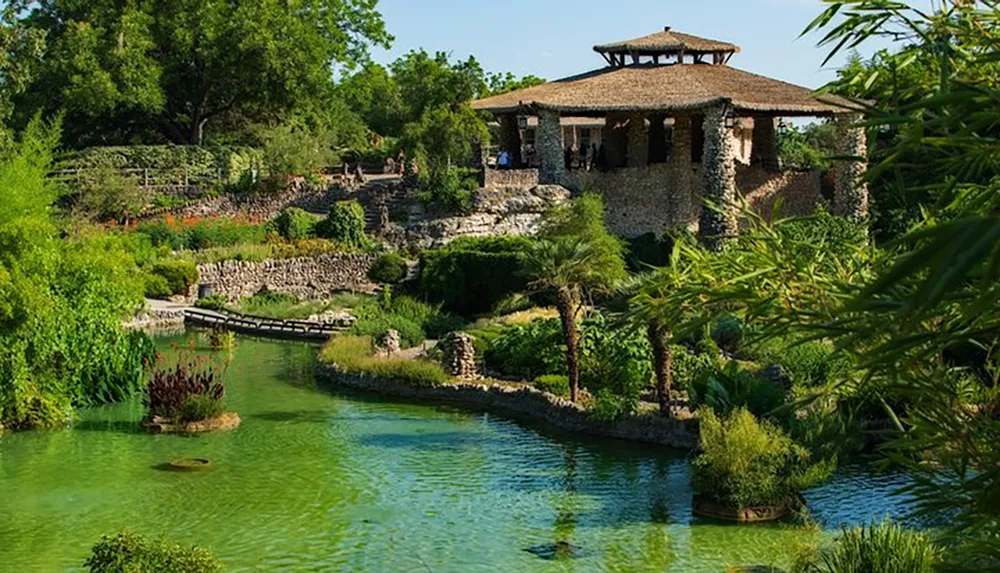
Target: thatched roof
{"points": [[665, 88], [666, 42]]}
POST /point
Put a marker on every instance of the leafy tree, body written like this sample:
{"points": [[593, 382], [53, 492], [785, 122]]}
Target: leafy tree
{"points": [[499, 83], [21, 49], [172, 67], [574, 258], [373, 93]]}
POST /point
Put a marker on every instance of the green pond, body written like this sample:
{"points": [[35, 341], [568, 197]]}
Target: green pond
{"points": [[317, 481]]}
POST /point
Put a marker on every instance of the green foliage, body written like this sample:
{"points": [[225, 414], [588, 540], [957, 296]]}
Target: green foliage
{"points": [[877, 548], [688, 366], [197, 408], [146, 70], [837, 236], [213, 302], [294, 224], [128, 552], [810, 364], [556, 384], [471, 275], [295, 149], [528, 351], [157, 287], [62, 301], [352, 355], [809, 147], [104, 194], [615, 365], [449, 189], [745, 463], [414, 320], [180, 276], [728, 333], [201, 234], [730, 387], [648, 250], [167, 164], [344, 224], [389, 268]]}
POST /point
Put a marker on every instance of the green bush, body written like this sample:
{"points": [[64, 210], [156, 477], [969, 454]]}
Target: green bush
{"points": [[450, 190], [687, 366], [213, 302], [179, 275], [196, 235], [878, 548], [199, 407], [556, 384], [745, 463], [730, 387], [839, 237], [471, 275], [647, 251], [809, 364], [344, 224], [528, 351], [615, 365], [414, 319], [728, 333], [389, 268], [294, 224], [131, 553], [352, 355], [157, 287]]}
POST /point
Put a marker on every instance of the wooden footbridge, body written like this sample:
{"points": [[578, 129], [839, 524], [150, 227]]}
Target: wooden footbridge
{"points": [[260, 325]]}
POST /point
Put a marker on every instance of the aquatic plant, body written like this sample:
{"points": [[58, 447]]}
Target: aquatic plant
{"points": [[128, 552], [171, 388], [884, 547]]}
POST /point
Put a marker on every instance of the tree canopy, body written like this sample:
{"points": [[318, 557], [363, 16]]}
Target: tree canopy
{"points": [[174, 67]]}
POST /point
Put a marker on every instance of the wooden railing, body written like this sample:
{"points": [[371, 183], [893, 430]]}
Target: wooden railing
{"points": [[261, 326], [147, 177]]}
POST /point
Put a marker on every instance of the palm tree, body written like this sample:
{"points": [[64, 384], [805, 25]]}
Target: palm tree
{"points": [[574, 258]]}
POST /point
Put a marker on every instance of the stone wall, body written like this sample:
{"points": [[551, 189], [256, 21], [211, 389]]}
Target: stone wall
{"points": [[529, 404], [497, 211], [522, 178], [309, 278], [799, 191]]}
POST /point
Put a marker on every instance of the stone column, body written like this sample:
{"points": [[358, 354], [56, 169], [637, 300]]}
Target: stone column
{"points": [[850, 192], [638, 141], [765, 143], [459, 355], [510, 138], [549, 143], [615, 141], [718, 167], [680, 153]]}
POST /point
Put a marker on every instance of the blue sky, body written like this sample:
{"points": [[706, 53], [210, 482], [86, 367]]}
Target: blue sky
{"points": [[554, 38]]}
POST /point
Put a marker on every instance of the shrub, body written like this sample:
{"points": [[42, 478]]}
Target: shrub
{"points": [[157, 287], [352, 355], [556, 384], [615, 364], [450, 190], [838, 236], [414, 319], [344, 224], [730, 387], [648, 250], [809, 364], [528, 351], [199, 407], [745, 463], [471, 275], [727, 332], [687, 366], [199, 234], [294, 149], [171, 388], [213, 302], [389, 268], [179, 275], [878, 548], [130, 553], [294, 224]]}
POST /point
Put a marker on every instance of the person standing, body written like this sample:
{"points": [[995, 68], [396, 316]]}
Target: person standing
{"points": [[401, 161]]}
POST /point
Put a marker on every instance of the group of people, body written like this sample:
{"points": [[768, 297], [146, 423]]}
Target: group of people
{"points": [[586, 157]]}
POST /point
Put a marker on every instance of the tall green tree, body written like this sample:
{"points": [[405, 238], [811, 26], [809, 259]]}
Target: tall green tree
{"points": [[172, 67], [21, 50], [575, 258]]}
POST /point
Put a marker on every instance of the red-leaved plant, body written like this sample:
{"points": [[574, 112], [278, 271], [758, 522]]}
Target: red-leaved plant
{"points": [[170, 387]]}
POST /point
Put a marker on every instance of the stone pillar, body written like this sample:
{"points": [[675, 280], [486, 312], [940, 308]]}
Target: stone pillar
{"points": [[680, 153], [459, 355], [549, 143], [657, 139], [510, 137], [718, 167], [615, 141], [850, 192], [638, 141], [765, 143], [386, 343]]}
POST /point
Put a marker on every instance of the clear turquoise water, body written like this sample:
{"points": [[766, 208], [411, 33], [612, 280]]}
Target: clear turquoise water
{"points": [[314, 481]]}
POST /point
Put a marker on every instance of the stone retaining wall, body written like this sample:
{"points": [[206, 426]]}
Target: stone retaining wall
{"points": [[527, 404], [799, 191], [511, 178], [157, 320], [307, 278], [262, 207]]}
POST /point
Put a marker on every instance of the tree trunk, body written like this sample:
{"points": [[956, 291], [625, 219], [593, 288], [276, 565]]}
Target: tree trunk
{"points": [[659, 338], [566, 304]]}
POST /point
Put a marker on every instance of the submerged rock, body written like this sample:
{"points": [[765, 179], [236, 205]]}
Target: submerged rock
{"points": [[558, 550]]}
